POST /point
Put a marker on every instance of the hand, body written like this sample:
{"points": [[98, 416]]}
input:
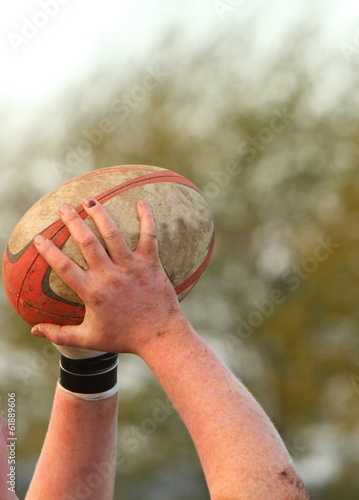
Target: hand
{"points": [[127, 295]]}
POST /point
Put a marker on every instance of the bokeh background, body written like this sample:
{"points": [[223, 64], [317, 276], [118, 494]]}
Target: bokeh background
{"points": [[257, 103]]}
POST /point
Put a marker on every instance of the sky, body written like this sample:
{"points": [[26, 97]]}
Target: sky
{"points": [[41, 51], [45, 44]]}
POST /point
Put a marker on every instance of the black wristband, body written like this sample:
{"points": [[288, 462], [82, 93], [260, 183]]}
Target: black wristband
{"points": [[89, 375]]}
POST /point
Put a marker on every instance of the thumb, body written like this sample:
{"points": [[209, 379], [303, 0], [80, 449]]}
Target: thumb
{"points": [[65, 339], [60, 335]]}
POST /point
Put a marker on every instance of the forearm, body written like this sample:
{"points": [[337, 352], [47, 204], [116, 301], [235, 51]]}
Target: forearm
{"points": [[241, 453], [79, 452]]}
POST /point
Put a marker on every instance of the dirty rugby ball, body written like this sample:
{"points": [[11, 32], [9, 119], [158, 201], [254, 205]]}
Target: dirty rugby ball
{"points": [[184, 225]]}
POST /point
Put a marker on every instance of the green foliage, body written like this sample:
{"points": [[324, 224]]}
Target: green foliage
{"points": [[276, 154]]}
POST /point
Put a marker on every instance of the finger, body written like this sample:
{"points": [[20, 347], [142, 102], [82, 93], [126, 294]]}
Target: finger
{"points": [[66, 268], [89, 244], [147, 244], [116, 244], [59, 335]]}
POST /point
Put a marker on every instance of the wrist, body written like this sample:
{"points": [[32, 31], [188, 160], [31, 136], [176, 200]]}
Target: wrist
{"points": [[175, 331]]}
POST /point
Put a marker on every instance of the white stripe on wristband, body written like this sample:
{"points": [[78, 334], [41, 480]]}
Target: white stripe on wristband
{"points": [[93, 397], [90, 379]]}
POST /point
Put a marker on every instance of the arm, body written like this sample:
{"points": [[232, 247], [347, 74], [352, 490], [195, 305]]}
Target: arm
{"points": [[242, 455], [79, 454]]}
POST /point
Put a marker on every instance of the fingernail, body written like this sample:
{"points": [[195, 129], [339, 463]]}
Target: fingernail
{"points": [[90, 202], [143, 204], [35, 331], [66, 209], [39, 240]]}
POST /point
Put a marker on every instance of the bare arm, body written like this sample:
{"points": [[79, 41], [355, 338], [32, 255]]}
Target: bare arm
{"points": [[79, 454], [242, 455]]}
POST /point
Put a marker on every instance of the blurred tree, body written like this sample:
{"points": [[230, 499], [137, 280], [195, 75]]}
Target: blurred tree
{"points": [[274, 147]]}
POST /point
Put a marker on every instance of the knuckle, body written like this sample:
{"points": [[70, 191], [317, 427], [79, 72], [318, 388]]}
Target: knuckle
{"points": [[64, 266], [56, 338], [111, 234], [101, 292], [97, 298], [152, 235], [86, 241], [113, 280]]}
